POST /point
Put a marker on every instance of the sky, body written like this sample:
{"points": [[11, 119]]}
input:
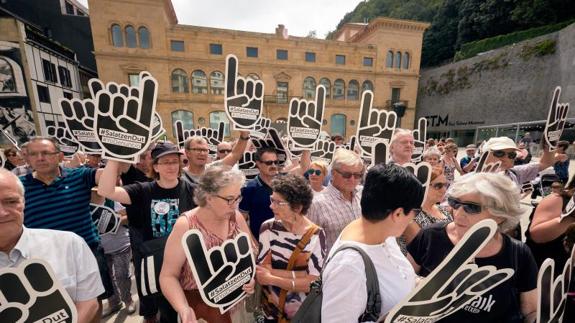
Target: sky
{"points": [[299, 16]]}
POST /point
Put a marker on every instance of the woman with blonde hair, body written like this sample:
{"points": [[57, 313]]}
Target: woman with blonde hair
{"points": [[316, 175]]}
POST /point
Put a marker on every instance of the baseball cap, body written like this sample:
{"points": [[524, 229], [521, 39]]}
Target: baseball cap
{"points": [[163, 149], [499, 143]]}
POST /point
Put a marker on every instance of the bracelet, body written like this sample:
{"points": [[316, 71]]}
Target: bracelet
{"points": [[293, 285], [293, 274]]}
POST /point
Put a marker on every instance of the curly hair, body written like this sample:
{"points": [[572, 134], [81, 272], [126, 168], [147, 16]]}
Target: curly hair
{"points": [[295, 190]]}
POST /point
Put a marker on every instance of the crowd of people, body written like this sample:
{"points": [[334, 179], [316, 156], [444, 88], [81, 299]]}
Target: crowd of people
{"points": [[297, 216]]}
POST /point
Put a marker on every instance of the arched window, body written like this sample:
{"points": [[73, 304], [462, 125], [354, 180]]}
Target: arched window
{"points": [[353, 90], [338, 124], [406, 59], [367, 85], [186, 117], [131, 41], [180, 81], [144, 36], [117, 38], [389, 59], [199, 82], [327, 84], [339, 89], [309, 87], [7, 80], [398, 60], [253, 76], [217, 83], [218, 116]]}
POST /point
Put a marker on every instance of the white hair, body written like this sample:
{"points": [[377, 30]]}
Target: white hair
{"points": [[344, 157], [399, 132], [431, 151], [7, 174]]}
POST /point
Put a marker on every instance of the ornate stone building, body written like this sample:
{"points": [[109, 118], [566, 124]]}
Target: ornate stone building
{"points": [[189, 63]]}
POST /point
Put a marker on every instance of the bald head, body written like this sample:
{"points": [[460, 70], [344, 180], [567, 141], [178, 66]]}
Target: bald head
{"points": [[7, 178]]}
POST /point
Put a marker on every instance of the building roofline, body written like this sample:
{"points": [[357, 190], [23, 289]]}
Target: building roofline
{"points": [[383, 22], [172, 17]]}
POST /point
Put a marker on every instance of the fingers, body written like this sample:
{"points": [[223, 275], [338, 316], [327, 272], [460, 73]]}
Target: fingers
{"points": [[422, 129], [293, 110], [302, 109], [149, 93], [391, 120], [220, 133], [259, 89], [104, 101], [365, 112], [197, 251], [95, 86], [380, 154], [276, 138], [481, 162], [544, 287], [554, 102], [179, 132], [67, 109], [249, 88], [231, 74], [320, 103], [18, 293]]}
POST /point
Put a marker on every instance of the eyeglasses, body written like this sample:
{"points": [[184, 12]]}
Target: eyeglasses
{"points": [[231, 200], [169, 163], [317, 172], [35, 154], [277, 202], [468, 207], [501, 154], [348, 175], [200, 150], [225, 151], [271, 162], [439, 186]]}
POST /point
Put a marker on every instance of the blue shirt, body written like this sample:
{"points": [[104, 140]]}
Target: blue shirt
{"points": [[62, 205], [256, 202]]}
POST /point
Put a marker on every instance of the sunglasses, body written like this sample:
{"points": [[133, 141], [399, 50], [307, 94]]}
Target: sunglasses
{"points": [[271, 162], [439, 186], [501, 154], [225, 151], [348, 175], [317, 172], [468, 207]]}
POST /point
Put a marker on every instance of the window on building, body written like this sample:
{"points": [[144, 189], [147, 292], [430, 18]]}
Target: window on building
{"points": [[180, 81], [367, 61], [144, 36], [49, 71], [282, 54], [65, 78], [310, 57], [186, 117], [309, 87], [395, 95], [220, 116], [338, 122], [406, 60], [177, 45], [397, 60], [117, 37], [251, 51], [339, 89], [134, 79], [217, 83], [282, 92], [7, 72], [69, 8], [389, 59], [43, 93], [216, 49], [199, 82], [367, 85], [353, 90], [340, 59], [67, 95], [327, 84], [131, 41]]}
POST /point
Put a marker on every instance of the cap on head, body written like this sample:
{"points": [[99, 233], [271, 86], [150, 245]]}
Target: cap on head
{"points": [[163, 149], [499, 143]]}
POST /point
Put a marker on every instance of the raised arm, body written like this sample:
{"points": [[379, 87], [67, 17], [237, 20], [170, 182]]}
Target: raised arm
{"points": [[238, 150], [107, 184]]}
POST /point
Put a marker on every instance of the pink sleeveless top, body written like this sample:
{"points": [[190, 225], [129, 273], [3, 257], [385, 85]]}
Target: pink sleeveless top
{"points": [[187, 280]]}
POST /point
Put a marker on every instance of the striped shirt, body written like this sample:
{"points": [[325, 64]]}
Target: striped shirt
{"points": [[62, 205]]}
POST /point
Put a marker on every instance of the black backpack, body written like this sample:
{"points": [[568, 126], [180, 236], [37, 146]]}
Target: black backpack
{"points": [[310, 309]]}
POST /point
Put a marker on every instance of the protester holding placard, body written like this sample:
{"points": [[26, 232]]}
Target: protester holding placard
{"points": [[218, 219], [402, 146], [292, 249], [473, 198], [390, 200]]}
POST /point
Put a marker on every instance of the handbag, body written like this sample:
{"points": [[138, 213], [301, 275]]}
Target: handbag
{"points": [[310, 310], [152, 252]]}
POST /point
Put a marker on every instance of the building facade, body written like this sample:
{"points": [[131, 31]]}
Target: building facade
{"points": [[189, 62]]}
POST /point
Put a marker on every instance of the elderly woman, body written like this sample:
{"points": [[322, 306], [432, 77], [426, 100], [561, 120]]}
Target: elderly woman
{"points": [[218, 219], [292, 249], [316, 175], [390, 200], [473, 198]]}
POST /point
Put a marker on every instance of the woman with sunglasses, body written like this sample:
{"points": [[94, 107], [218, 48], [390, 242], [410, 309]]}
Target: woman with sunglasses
{"points": [[316, 175], [473, 198], [292, 249], [217, 217], [13, 159]]}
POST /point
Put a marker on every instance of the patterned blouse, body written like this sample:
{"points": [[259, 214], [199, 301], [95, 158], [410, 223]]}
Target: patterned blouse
{"points": [[276, 246], [424, 220]]}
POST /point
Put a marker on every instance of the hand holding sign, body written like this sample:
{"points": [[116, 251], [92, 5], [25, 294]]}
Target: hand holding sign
{"points": [[374, 125], [484, 167], [65, 140], [105, 219], [31, 293], [419, 135], [305, 118], [79, 118], [555, 122], [552, 293], [222, 271], [244, 97]]}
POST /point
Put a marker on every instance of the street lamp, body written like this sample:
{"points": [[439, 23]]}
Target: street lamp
{"points": [[399, 109]]}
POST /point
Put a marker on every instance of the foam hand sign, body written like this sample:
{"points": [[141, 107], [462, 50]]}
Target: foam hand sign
{"points": [[273, 140], [221, 271], [454, 283], [555, 121], [374, 125], [157, 127], [323, 151], [526, 188], [79, 118], [261, 128], [11, 139], [552, 293], [105, 219], [247, 165], [65, 140], [569, 209], [182, 134], [423, 173], [351, 145], [305, 118], [484, 167], [419, 136], [244, 97], [124, 115], [380, 153], [32, 293]]}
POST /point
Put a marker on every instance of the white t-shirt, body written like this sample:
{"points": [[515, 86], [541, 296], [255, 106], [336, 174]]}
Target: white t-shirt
{"points": [[344, 281]]}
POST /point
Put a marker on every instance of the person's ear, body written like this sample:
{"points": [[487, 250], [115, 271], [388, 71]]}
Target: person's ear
{"points": [[397, 214], [297, 209]]}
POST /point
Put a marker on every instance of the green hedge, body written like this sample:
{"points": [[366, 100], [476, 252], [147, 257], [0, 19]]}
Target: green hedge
{"points": [[473, 48]]}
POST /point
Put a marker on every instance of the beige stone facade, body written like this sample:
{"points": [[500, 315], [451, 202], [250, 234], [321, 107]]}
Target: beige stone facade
{"points": [[189, 62]]}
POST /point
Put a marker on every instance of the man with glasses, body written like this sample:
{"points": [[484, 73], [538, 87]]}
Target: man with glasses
{"points": [[224, 148], [339, 203]]}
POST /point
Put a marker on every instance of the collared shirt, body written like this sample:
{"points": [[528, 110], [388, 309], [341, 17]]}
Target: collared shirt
{"points": [[22, 170], [256, 202], [523, 173], [67, 254], [332, 211]]}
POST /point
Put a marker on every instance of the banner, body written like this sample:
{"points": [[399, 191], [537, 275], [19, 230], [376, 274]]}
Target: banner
{"points": [[244, 97]]}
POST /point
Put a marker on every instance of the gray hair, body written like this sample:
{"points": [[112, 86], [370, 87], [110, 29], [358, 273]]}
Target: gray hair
{"points": [[194, 139], [344, 157], [399, 132], [431, 151], [499, 194], [214, 179], [4, 173]]}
